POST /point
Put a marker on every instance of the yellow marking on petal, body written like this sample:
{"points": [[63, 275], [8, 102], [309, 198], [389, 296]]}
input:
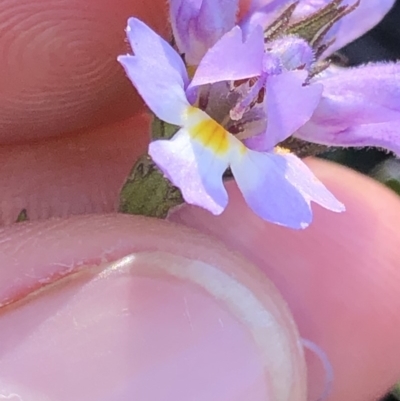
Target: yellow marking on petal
{"points": [[242, 149], [207, 131], [211, 135], [195, 114]]}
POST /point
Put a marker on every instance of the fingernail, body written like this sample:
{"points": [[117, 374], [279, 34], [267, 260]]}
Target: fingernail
{"points": [[152, 326]]}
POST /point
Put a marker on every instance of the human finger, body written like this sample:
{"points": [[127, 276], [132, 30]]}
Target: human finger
{"points": [[74, 174], [115, 307], [58, 69], [340, 276]]}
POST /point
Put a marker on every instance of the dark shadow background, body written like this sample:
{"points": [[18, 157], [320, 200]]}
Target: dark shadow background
{"points": [[380, 44]]}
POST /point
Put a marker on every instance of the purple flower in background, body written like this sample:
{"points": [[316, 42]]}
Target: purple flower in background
{"points": [[198, 24], [258, 81], [358, 106]]}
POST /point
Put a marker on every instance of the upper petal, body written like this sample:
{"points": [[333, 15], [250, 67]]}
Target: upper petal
{"points": [[257, 4], [279, 188], [351, 26], [157, 72], [289, 105], [359, 107], [198, 24], [232, 58]]}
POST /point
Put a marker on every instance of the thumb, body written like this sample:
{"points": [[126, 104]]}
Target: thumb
{"points": [[116, 307]]}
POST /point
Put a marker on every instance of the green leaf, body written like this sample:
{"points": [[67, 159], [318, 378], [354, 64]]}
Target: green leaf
{"points": [[147, 192], [388, 173], [396, 391], [162, 130], [393, 184]]}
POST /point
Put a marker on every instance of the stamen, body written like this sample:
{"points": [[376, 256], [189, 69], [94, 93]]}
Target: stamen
{"points": [[240, 82], [245, 103], [235, 128], [261, 95], [204, 97]]}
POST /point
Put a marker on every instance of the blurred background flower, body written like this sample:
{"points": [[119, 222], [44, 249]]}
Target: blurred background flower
{"points": [[381, 43]]}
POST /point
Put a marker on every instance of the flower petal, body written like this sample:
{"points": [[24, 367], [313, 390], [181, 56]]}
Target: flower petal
{"points": [[289, 105], [361, 20], [359, 107], [279, 188], [262, 181], [157, 72], [257, 4], [262, 13], [232, 58], [198, 24], [195, 169], [312, 189], [353, 25]]}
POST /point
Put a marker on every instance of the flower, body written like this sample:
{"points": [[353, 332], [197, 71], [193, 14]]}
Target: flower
{"points": [[255, 86], [357, 107], [277, 185], [198, 24]]}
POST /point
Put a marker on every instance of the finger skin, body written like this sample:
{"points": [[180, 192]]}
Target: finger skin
{"points": [[340, 276], [181, 317], [73, 174], [58, 75], [58, 68], [372, 217]]}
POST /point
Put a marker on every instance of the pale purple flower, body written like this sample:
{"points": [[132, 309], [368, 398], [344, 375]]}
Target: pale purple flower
{"points": [[282, 72], [278, 186], [255, 85], [358, 107], [198, 24]]}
